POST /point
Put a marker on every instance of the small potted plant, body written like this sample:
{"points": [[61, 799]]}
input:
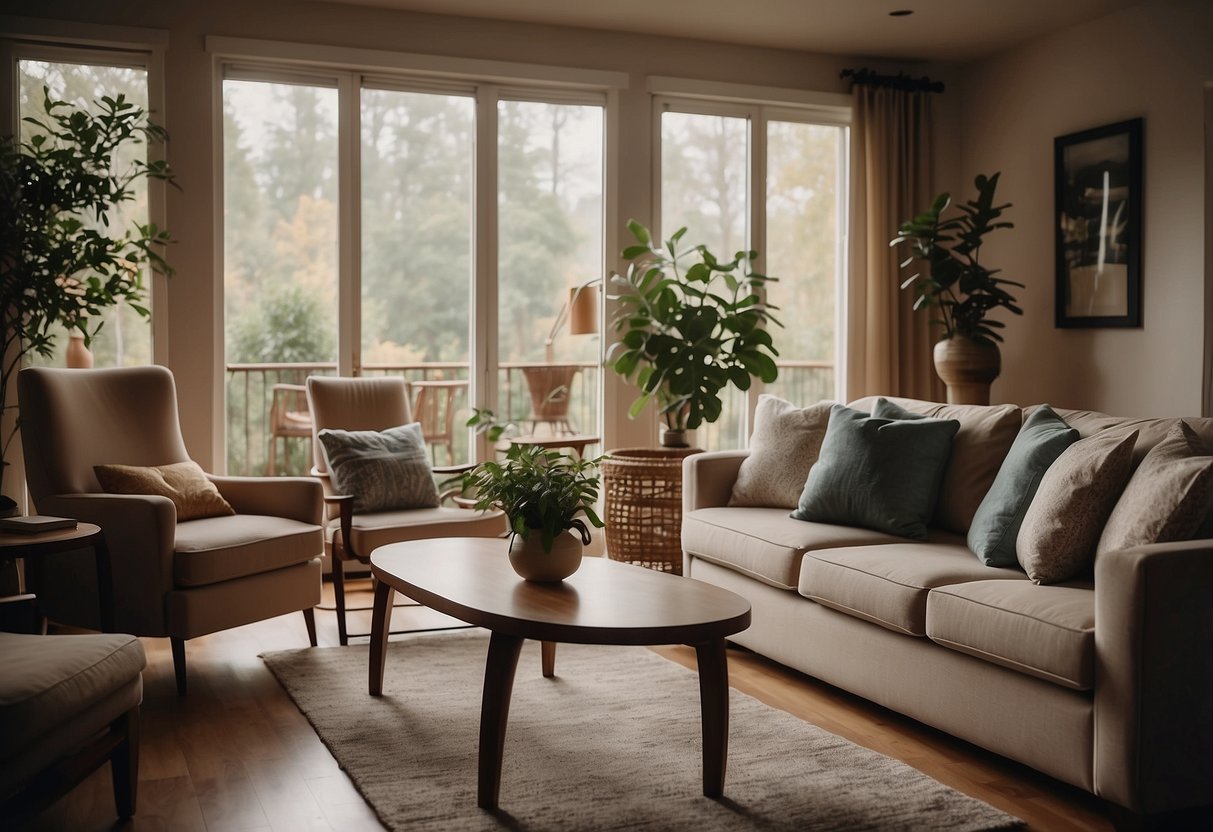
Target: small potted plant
{"points": [[963, 290], [545, 495]]}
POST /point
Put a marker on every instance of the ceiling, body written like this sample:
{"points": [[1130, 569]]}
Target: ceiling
{"points": [[947, 30]]}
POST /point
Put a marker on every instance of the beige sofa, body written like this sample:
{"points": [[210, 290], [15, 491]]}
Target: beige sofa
{"points": [[1104, 682]]}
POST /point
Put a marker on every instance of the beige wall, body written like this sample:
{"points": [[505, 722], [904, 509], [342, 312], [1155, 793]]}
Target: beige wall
{"points": [[1152, 61], [196, 336]]}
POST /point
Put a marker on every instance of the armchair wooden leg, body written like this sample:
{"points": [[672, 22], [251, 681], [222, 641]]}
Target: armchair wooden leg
{"points": [[178, 645], [309, 618], [124, 763], [339, 597]]}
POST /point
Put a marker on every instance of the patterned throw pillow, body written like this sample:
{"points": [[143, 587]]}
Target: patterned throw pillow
{"points": [[184, 483], [880, 474], [1062, 526], [383, 470], [783, 448], [1168, 496]]}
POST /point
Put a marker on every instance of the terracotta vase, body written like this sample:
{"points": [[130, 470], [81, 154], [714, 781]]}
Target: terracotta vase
{"points": [[967, 367], [531, 562], [77, 355]]}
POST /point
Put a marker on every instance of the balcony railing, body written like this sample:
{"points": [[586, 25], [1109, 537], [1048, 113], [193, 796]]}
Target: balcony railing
{"points": [[250, 394]]}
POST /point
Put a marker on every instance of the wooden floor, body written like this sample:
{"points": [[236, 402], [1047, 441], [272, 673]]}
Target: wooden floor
{"points": [[235, 754]]}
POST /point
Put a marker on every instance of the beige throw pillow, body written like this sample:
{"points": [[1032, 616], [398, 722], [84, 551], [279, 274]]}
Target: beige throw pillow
{"points": [[1168, 496], [184, 483], [783, 447], [1077, 493]]}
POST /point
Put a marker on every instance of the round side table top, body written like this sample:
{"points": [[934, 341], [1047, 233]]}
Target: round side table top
{"points": [[59, 539]]}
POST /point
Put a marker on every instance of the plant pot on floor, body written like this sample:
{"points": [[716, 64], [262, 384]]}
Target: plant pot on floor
{"points": [[968, 367], [642, 501], [531, 562]]}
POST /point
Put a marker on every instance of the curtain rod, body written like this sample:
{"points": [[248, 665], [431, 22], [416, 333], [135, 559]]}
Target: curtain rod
{"points": [[900, 81]]}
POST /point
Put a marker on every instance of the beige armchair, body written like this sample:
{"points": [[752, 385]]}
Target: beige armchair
{"points": [[175, 579], [377, 404]]}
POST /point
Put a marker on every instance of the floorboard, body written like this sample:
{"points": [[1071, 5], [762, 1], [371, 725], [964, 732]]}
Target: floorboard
{"points": [[235, 754]]}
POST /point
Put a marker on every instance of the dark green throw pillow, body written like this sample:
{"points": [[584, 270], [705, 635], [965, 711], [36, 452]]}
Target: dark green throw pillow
{"points": [[996, 524], [875, 473]]}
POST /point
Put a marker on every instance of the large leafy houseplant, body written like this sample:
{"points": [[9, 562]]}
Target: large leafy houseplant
{"points": [[541, 491], [62, 261], [954, 281], [689, 326]]}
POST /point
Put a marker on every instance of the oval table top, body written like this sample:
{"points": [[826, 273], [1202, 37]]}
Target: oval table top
{"points": [[604, 602]]}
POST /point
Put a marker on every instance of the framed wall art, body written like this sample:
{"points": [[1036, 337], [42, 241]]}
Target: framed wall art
{"points": [[1098, 206]]}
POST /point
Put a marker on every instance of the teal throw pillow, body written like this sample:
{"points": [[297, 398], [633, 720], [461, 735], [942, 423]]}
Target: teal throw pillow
{"points": [[1041, 440], [875, 473], [886, 409]]}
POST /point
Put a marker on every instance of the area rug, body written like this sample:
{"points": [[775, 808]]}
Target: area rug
{"points": [[612, 742]]}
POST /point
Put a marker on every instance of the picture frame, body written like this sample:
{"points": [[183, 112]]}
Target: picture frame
{"points": [[1097, 176]]}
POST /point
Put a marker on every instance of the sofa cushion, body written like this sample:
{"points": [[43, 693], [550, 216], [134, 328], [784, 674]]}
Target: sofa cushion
{"points": [[1043, 438], [1167, 497], [1043, 631], [978, 449], [881, 474], [48, 680], [370, 531], [221, 548], [1057, 539], [783, 448], [765, 543], [888, 584]]}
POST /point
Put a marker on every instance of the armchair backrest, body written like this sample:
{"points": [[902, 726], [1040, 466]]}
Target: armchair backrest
{"points": [[355, 404], [72, 420]]}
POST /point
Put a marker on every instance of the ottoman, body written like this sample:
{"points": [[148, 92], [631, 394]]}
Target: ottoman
{"points": [[68, 704]]}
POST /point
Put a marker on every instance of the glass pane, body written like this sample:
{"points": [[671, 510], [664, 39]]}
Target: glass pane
{"points": [[280, 260], [803, 211], [417, 164], [126, 336], [704, 187], [550, 173]]}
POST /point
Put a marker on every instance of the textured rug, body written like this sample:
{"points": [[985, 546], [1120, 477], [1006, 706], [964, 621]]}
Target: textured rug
{"points": [[612, 742]]}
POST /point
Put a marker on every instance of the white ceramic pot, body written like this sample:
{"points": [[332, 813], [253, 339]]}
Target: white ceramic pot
{"points": [[531, 562]]}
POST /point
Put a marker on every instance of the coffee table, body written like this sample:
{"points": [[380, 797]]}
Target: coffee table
{"points": [[605, 602]]}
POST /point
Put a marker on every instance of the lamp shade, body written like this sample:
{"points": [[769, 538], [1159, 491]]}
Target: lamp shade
{"points": [[583, 309]]}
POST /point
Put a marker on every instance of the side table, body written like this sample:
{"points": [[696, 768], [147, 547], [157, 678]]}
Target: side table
{"points": [[32, 548], [576, 442]]}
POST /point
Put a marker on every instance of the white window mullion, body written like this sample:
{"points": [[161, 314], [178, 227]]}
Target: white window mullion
{"points": [[349, 229], [482, 390], [758, 226]]}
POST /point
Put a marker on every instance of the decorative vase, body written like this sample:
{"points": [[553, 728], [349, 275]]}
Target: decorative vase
{"points": [[77, 355], [674, 438], [531, 562], [967, 366]]}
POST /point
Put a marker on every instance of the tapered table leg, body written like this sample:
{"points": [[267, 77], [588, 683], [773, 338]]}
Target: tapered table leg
{"points": [[714, 703], [381, 625], [494, 713], [548, 657]]}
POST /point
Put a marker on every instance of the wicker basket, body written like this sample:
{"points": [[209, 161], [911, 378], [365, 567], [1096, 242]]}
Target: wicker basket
{"points": [[642, 490]]}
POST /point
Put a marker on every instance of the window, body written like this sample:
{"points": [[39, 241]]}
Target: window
{"points": [[395, 170], [742, 177], [125, 337]]}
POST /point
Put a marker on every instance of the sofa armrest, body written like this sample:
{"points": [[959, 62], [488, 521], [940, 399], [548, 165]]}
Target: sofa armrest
{"points": [[707, 478], [296, 498], [1154, 676], [140, 532]]}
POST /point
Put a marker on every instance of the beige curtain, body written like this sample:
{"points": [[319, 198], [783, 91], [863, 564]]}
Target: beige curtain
{"points": [[888, 344]]}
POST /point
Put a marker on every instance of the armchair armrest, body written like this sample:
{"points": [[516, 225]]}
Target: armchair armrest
{"points": [[707, 478], [140, 532], [1154, 676], [296, 498]]}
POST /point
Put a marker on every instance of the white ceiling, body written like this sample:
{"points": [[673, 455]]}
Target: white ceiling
{"points": [[950, 30]]}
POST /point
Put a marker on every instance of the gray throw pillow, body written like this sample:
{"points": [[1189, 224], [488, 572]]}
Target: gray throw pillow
{"points": [[783, 448], [1043, 438], [880, 474], [383, 470]]}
